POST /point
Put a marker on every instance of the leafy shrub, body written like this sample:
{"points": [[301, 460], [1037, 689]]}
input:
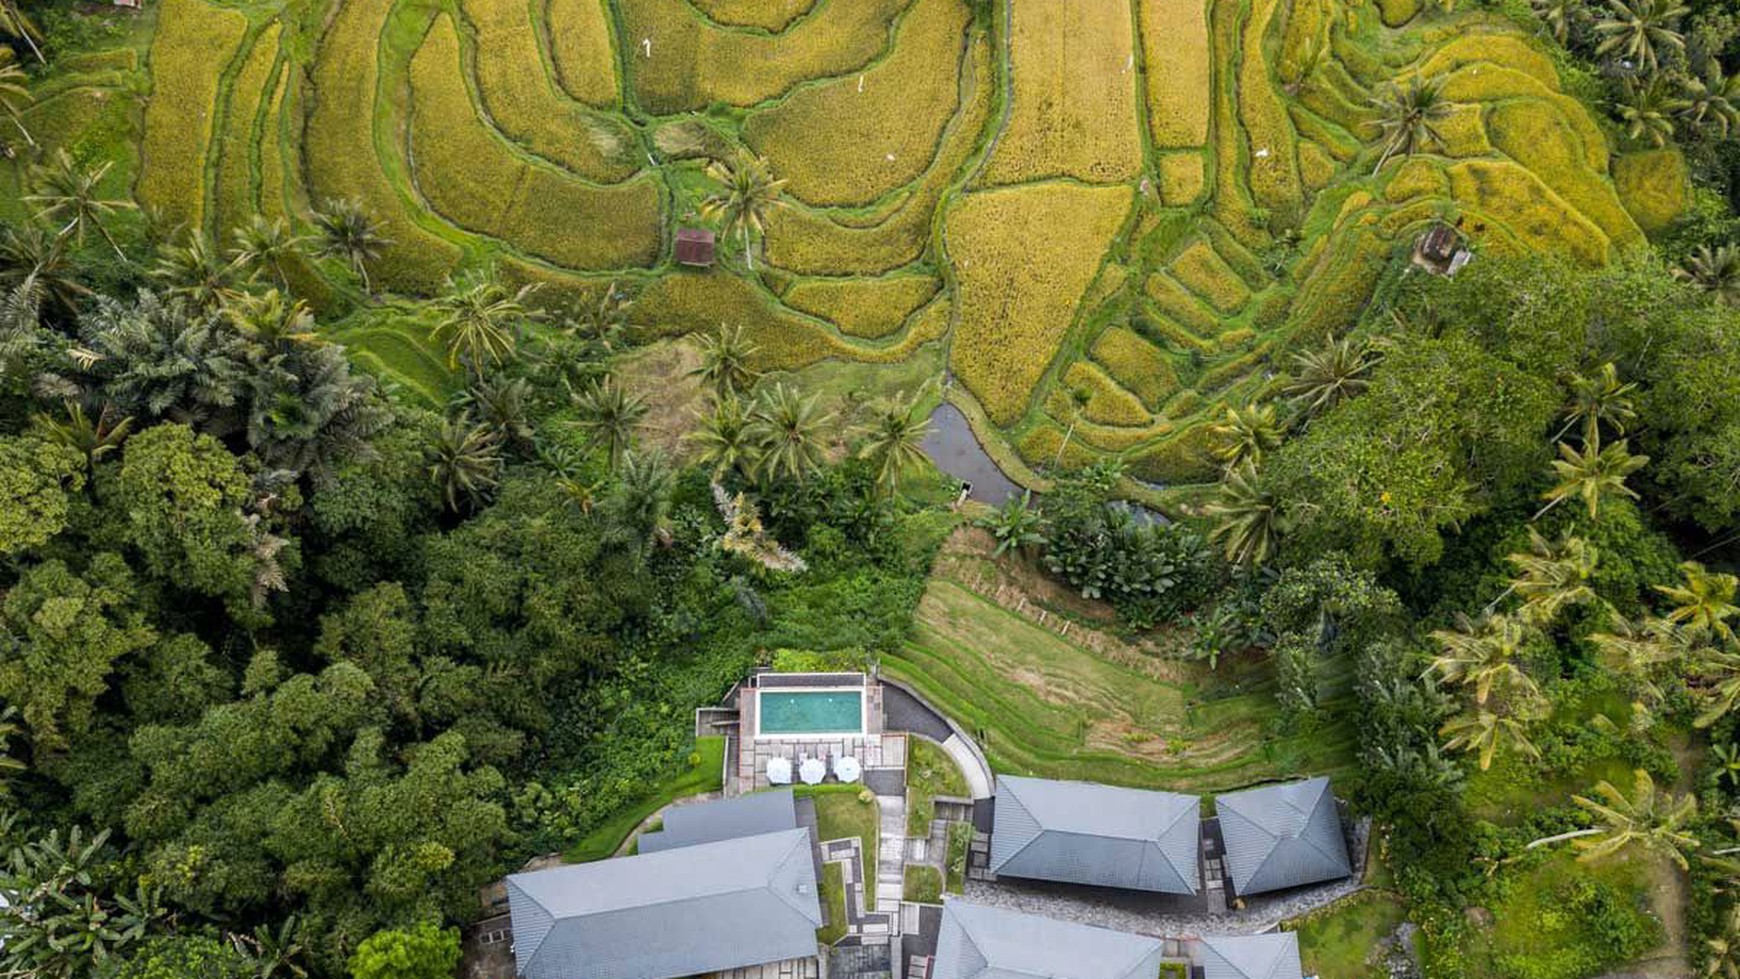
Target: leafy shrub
{"points": [[811, 661], [426, 951]]}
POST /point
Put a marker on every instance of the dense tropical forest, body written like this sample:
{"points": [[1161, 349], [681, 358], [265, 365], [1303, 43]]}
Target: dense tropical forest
{"points": [[365, 529]]}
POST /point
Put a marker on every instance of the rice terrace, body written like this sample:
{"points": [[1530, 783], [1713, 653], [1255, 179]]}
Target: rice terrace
{"points": [[1111, 215]]}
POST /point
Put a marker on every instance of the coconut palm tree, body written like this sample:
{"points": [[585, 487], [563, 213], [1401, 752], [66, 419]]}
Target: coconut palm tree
{"points": [[272, 322], [1248, 518], [70, 198], [1648, 110], [1598, 398], [29, 252], [608, 416], [1551, 578], [1245, 435], [1722, 956], [196, 272], [1639, 652], [639, 503], [1015, 525], [1639, 30], [480, 321], [264, 246], [14, 96], [1408, 115], [1650, 818], [502, 406], [1482, 654], [601, 321], [725, 363], [1710, 100], [747, 194], [724, 438], [1325, 378], [1591, 474], [788, 431], [1560, 16], [9, 765], [1705, 603], [1715, 271], [464, 463], [892, 440], [1718, 675], [347, 233], [1485, 731], [95, 438], [14, 22]]}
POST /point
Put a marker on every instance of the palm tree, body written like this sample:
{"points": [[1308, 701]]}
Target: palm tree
{"points": [[1553, 577], [1407, 116], [892, 440], [9, 729], [641, 499], [1596, 399], [1705, 603], [1591, 474], [1325, 378], [1650, 818], [1485, 731], [264, 246], [608, 416], [725, 437], [1648, 111], [348, 234], [1637, 652], [14, 22], [1714, 270], [1015, 525], [1724, 950], [14, 95], [746, 195], [1709, 99], [464, 463], [1637, 30], [603, 321], [1719, 671], [502, 407], [788, 433], [480, 320], [1560, 16], [1482, 653], [271, 321], [30, 252], [94, 438], [1248, 518], [196, 272], [71, 197], [1245, 435], [725, 363]]}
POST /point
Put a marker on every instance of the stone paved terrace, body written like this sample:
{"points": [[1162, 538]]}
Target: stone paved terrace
{"points": [[874, 752], [806, 968]]}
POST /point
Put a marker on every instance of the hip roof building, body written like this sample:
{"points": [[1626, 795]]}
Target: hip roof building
{"points": [[1083, 833], [979, 942], [1272, 956], [1280, 836]]}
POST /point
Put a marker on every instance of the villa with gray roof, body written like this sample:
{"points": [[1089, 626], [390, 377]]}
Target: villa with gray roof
{"points": [[1280, 836], [676, 912], [980, 942], [1083, 833], [1271, 956], [723, 819]]}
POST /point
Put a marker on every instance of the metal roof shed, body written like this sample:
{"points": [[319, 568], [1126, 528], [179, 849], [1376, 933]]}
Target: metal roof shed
{"points": [[695, 246], [1284, 835], [680, 912], [1083, 833], [1273, 956], [979, 942]]}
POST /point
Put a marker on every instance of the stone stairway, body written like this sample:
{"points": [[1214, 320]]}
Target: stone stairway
{"points": [[890, 854]]}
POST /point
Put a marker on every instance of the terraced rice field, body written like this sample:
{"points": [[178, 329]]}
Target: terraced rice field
{"points": [[1146, 201]]}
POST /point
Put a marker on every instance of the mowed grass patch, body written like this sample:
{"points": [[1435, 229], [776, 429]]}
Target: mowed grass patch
{"points": [[808, 242], [522, 99], [1136, 365], [694, 63], [868, 308], [1023, 257], [1343, 939], [1074, 109], [339, 149], [471, 177], [1049, 707], [1180, 74], [193, 46], [580, 49], [853, 139], [233, 199], [769, 15]]}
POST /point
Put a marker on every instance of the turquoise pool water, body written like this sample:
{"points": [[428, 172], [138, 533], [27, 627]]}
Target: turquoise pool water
{"points": [[811, 712]]}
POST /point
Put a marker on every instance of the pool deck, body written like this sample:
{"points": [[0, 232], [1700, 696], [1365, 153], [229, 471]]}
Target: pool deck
{"points": [[874, 749]]}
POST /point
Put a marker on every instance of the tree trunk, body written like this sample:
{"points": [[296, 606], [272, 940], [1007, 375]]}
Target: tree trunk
{"points": [[748, 256]]}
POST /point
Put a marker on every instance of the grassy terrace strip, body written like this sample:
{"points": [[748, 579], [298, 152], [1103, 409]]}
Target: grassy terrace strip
{"points": [[769, 15], [693, 62], [707, 776], [1136, 365], [1180, 75], [1022, 257], [193, 46], [1107, 403], [471, 177], [1274, 163], [522, 100], [853, 139], [580, 49], [1074, 111], [868, 308], [233, 197]]}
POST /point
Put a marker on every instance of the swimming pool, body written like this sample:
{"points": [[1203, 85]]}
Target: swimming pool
{"points": [[828, 711]]}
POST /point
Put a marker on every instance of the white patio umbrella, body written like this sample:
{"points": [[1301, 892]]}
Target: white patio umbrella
{"points": [[812, 771], [846, 768], [779, 771]]}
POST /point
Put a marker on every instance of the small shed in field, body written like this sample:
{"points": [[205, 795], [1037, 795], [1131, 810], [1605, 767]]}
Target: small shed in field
{"points": [[695, 247]]}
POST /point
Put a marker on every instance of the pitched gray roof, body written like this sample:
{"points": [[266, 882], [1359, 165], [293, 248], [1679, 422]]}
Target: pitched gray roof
{"points": [[723, 819], [979, 942], [1084, 833], [1274, 956], [673, 913], [1282, 836]]}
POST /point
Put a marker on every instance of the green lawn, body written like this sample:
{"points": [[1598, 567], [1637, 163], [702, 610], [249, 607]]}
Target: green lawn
{"points": [[606, 838], [1044, 705], [923, 885], [1564, 919], [960, 842], [833, 888], [839, 814], [930, 772], [1340, 940]]}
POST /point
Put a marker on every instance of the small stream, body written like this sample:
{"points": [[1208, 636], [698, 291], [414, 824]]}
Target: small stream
{"points": [[956, 451]]}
